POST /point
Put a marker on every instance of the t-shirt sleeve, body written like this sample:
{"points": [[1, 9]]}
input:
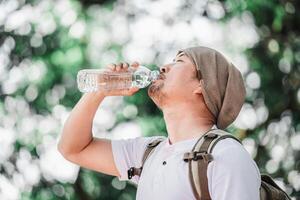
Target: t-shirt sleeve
{"points": [[233, 175], [129, 153]]}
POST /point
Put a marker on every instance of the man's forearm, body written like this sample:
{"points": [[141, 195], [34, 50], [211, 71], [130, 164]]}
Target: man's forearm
{"points": [[77, 131]]}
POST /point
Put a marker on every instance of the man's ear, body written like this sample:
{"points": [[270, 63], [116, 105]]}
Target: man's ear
{"points": [[198, 89]]}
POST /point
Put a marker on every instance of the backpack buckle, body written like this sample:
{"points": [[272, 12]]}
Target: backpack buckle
{"points": [[130, 172], [207, 157], [133, 171], [196, 155]]}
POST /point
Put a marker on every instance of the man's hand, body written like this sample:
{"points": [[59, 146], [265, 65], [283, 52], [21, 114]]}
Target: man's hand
{"points": [[121, 67]]}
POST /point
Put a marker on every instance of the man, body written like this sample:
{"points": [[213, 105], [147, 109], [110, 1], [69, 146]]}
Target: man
{"points": [[199, 90]]}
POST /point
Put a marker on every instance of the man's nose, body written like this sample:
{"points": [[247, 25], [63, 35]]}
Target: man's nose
{"points": [[164, 69]]}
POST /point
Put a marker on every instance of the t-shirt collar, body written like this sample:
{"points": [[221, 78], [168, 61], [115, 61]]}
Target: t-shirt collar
{"points": [[184, 144]]}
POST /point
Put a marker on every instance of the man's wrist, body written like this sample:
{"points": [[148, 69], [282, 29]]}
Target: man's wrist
{"points": [[99, 95], [94, 95]]}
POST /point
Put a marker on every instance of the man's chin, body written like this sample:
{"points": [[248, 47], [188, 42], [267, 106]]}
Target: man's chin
{"points": [[156, 94], [154, 89]]}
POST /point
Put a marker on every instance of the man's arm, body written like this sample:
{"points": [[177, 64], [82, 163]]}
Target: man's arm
{"points": [[233, 175], [77, 143]]}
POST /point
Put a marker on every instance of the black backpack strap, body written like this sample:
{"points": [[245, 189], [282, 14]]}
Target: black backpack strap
{"points": [[199, 158], [133, 171]]}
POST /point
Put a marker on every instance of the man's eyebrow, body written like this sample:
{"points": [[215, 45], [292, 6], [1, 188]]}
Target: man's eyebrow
{"points": [[180, 55]]}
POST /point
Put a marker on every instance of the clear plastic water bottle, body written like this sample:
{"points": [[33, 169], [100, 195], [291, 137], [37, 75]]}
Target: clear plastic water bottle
{"points": [[92, 80]]}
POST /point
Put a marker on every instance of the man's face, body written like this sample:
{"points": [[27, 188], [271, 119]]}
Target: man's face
{"points": [[178, 79]]}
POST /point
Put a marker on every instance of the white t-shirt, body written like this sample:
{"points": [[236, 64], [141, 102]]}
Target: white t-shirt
{"points": [[232, 175]]}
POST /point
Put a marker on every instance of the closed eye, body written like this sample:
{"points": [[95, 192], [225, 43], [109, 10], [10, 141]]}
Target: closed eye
{"points": [[177, 60]]}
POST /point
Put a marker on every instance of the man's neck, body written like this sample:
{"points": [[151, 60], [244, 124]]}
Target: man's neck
{"points": [[185, 123]]}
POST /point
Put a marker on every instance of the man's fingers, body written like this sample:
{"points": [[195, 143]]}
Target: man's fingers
{"points": [[119, 67], [135, 64], [125, 66], [112, 66]]}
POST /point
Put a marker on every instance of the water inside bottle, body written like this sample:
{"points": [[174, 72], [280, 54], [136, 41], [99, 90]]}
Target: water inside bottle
{"points": [[94, 80], [91, 80]]}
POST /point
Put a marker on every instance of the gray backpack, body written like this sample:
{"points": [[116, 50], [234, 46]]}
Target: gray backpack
{"points": [[198, 160]]}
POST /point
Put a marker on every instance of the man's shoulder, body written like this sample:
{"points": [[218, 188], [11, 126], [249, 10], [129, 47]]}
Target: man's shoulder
{"points": [[232, 165], [230, 151], [227, 144], [140, 142], [231, 154]]}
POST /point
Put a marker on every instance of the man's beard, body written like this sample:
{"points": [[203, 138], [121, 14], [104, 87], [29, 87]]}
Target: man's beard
{"points": [[156, 94]]}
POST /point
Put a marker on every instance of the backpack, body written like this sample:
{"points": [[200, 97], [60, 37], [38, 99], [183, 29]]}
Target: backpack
{"points": [[198, 160]]}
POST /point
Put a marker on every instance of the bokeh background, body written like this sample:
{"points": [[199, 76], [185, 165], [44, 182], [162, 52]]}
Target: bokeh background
{"points": [[44, 43]]}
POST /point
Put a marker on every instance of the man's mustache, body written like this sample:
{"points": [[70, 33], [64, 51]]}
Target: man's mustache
{"points": [[161, 76]]}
